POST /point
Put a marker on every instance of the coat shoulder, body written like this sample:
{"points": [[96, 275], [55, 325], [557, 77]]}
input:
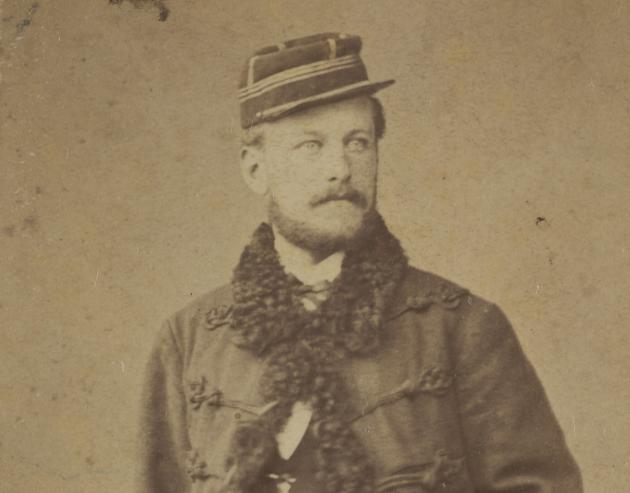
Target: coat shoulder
{"points": [[420, 289], [428, 281]]}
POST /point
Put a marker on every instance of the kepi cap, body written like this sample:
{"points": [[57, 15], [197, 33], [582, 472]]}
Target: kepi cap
{"points": [[301, 73]]}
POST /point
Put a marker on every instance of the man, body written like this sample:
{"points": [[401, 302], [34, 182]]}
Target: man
{"points": [[329, 364]]}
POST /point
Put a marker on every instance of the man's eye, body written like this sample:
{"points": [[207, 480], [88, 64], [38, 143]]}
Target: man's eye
{"points": [[358, 144], [310, 146]]}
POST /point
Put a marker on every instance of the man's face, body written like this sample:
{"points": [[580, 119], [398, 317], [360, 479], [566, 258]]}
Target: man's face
{"points": [[321, 170]]}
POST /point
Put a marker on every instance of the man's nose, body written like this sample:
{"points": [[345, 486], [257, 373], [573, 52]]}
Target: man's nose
{"points": [[337, 164]]}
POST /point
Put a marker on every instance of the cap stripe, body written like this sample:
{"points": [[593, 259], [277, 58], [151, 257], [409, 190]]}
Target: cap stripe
{"points": [[332, 43], [297, 73], [250, 70], [297, 79]]}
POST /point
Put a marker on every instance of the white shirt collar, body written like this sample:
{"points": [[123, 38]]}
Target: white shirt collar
{"points": [[299, 263]]}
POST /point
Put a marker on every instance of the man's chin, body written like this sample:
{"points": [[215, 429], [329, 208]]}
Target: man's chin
{"points": [[324, 235]]}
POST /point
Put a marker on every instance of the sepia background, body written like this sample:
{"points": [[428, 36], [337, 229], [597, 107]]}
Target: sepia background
{"points": [[505, 168]]}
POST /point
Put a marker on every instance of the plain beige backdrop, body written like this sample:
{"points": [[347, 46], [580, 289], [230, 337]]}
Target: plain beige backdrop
{"points": [[505, 168]]}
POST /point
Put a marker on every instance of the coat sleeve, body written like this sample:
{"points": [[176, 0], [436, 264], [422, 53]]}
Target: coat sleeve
{"points": [[162, 436], [513, 440]]}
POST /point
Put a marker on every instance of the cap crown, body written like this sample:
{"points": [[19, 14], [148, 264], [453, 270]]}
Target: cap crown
{"points": [[302, 72]]}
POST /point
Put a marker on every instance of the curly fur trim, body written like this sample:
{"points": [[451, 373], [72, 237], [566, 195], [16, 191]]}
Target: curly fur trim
{"points": [[303, 350]]}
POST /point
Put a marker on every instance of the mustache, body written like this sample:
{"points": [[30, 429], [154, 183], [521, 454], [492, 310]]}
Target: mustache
{"points": [[349, 194]]}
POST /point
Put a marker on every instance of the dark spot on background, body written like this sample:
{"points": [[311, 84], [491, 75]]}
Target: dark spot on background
{"points": [[158, 4], [540, 220], [22, 24], [9, 230], [39, 190], [89, 461], [28, 19], [30, 223]]}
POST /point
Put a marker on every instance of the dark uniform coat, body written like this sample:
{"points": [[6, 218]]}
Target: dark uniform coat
{"points": [[449, 403]]}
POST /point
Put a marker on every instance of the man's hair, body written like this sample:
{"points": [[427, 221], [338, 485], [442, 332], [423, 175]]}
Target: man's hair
{"points": [[254, 135]]}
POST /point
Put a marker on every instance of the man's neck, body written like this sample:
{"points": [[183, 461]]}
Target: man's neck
{"points": [[307, 266]]}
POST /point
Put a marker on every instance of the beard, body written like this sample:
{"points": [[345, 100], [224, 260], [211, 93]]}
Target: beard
{"points": [[321, 242]]}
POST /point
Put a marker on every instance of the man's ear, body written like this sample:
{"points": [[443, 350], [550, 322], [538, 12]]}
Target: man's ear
{"points": [[253, 169]]}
